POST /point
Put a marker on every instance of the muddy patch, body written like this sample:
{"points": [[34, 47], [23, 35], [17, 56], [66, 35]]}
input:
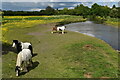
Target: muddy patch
{"points": [[48, 29], [88, 75]]}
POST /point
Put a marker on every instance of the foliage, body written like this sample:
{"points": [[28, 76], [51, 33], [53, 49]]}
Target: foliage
{"points": [[114, 13], [98, 10], [97, 19], [112, 21], [81, 10]]}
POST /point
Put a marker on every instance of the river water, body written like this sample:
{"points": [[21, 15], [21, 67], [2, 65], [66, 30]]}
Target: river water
{"points": [[107, 33]]}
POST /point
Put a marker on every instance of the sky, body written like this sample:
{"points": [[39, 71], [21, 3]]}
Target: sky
{"points": [[37, 5], [33, 6], [60, 0]]}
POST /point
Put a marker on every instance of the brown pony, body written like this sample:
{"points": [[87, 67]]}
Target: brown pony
{"points": [[54, 29], [60, 28]]}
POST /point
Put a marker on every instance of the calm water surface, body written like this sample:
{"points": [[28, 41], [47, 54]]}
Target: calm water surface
{"points": [[107, 33]]}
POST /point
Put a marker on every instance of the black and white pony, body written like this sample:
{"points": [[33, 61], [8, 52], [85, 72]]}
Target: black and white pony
{"points": [[58, 28], [20, 45], [24, 59]]}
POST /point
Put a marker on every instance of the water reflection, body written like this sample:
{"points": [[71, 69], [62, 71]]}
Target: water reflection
{"points": [[107, 33]]}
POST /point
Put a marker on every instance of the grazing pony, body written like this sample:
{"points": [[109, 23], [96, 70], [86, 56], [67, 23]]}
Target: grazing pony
{"points": [[20, 45], [60, 28], [24, 58]]}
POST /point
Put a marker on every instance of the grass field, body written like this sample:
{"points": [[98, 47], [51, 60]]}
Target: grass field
{"points": [[72, 55]]}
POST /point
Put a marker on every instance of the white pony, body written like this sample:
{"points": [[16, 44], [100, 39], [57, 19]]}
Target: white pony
{"points": [[60, 28], [24, 58], [20, 45]]}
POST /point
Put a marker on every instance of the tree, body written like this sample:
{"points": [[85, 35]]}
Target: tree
{"points": [[95, 9], [64, 11], [114, 13], [49, 10], [98, 10], [82, 10], [113, 6]]}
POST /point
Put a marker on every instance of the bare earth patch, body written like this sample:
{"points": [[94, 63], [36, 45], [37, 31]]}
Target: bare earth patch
{"points": [[88, 75], [43, 32]]}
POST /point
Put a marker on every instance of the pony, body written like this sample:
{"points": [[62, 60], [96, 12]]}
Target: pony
{"points": [[58, 28], [20, 45], [24, 58]]}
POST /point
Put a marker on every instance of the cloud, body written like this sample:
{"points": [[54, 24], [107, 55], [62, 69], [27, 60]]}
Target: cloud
{"points": [[62, 4], [76, 4], [25, 0], [36, 6], [60, 1], [60, 8], [71, 8], [35, 9]]}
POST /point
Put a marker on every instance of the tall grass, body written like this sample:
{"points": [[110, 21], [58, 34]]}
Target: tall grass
{"points": [[108, 21], [112, 21]]}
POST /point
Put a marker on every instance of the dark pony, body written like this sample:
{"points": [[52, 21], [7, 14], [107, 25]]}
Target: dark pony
{"points": [[20, 45]]}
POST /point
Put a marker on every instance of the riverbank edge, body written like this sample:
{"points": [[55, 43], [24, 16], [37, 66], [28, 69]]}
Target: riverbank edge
{"points": [[95, 37], [112, 25]]}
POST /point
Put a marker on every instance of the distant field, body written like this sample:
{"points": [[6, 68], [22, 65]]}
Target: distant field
{"points": [[11, 19], [30, 21], [72, 55]]}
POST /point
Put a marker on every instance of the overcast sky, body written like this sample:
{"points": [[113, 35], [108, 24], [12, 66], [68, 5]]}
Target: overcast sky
{"points": [[33, 6], [37, 5], [60, 0]]}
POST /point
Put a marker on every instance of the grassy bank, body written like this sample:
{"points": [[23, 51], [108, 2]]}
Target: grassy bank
{"points": [[72, 55], [115, 22]]}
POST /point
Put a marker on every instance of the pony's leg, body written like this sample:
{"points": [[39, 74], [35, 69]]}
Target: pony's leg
{"points": [[52, 32], [22, 66], [30, 62], [63, 32], [25, 66]]}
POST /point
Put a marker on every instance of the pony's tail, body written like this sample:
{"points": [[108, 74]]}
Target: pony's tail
{"points": [[31, 49]]}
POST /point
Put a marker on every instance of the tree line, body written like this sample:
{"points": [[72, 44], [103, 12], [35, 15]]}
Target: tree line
{"points": [[79, 10]]}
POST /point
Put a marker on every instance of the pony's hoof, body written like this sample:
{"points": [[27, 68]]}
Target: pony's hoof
{"points": [[21, 69]]}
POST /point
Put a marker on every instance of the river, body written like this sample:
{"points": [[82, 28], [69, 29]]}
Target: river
{"points": [[107, 33]]}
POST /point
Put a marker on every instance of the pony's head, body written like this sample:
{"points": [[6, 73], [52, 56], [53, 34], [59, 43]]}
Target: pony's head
{"points": [[17, 70], [15, 42], [54, 28], [17, 45]]}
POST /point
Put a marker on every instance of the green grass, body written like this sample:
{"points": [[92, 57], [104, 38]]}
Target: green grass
{"points": [[115, 22], [20, 18], [71, 55]]}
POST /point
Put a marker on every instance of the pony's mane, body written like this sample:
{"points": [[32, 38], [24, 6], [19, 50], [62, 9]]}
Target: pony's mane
{"points": [[15, 41], [18, 45]]}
